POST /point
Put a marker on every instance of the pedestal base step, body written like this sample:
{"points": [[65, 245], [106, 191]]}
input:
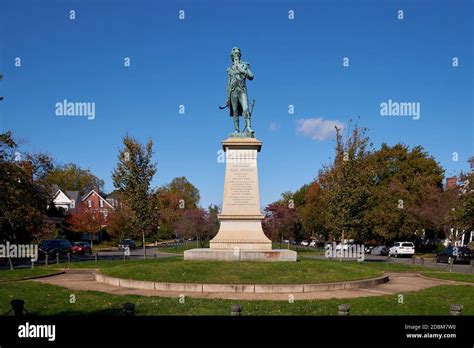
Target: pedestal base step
{"points": [[240, 255]]}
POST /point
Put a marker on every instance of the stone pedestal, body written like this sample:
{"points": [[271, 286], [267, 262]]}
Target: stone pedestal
{"points": [[240, 235]]}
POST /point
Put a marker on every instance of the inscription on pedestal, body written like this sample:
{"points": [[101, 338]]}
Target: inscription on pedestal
{"points": [[241, 183]]}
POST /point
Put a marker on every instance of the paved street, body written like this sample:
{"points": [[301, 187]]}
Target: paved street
{"points": [[427, 262], [155, 252], [152, 252]]}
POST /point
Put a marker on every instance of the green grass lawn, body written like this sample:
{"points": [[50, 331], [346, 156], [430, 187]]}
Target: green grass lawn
{"points": [[98, 248], [25, 273], [174, 269], [460, 277], [44, 299], [302, 250], [180, 248], [192, 245], [391, 267]]}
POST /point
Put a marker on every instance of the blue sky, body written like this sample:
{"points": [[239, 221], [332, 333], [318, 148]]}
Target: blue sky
{"points": [[297, 62]]}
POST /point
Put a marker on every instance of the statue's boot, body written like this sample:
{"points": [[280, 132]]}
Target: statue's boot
{"points": [[248, 128], [236, 124]]}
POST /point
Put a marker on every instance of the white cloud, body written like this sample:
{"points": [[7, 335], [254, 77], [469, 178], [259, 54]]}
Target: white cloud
{"points": [[317, 128]]}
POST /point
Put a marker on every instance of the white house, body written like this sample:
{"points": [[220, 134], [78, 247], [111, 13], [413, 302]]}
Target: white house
{"points": [[66, 200]]}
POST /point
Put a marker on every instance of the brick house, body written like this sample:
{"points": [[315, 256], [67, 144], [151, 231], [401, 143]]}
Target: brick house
{"points": [[71, 203], [96, 202]]}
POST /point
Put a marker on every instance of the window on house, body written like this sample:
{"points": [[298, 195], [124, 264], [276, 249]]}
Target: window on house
{"points": [[89, 203], [73, 205], [101, 203]]}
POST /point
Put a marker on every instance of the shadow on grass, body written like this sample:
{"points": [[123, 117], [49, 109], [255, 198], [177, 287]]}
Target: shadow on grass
{"points": [[72, 313]]}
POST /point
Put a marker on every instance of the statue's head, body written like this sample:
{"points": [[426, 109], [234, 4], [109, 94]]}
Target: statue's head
{"points": [[235, 53]]}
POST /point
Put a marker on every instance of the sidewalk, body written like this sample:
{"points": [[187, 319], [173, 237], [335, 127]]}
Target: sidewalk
{"points": [[83, 279]]}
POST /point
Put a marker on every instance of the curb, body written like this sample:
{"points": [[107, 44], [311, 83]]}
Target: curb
{"points": [[238, 288], [170, 254], [454, 282]]}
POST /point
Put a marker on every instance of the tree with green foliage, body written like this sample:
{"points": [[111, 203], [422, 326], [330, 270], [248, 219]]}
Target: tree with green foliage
{"points": [[70, 177], [132, 178], [460, 215], [121, 223], [188, 194], [172, 200], [213, 219], [311, 213], [393, 193], [405, 194], [345, 185], [466, 204]]}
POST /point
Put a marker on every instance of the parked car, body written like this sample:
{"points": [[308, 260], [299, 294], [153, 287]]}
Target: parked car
{"points": [[402, 249], [381, 250], [457, 254], [127, 243], [51, 247], [304, 243], [349, 244], [314, 243], [81, 248], [369, 248]]}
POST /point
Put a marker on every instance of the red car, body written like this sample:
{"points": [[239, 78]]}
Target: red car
{"points": [[81, 248]]}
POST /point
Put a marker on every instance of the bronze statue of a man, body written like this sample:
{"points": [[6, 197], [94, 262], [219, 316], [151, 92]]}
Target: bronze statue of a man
{"points": [[237, 99]]}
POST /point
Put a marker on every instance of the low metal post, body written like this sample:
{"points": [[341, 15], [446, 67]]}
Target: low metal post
{"points": [[128, 309], [344, 309], [235, 310], [413, 260], [11, 263], [68, 257], [455, 310], [46, 259], [57, 258], [18, 307], [422, 261], [451, 263], [96, 255], [472, 266], [32, 264]]}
